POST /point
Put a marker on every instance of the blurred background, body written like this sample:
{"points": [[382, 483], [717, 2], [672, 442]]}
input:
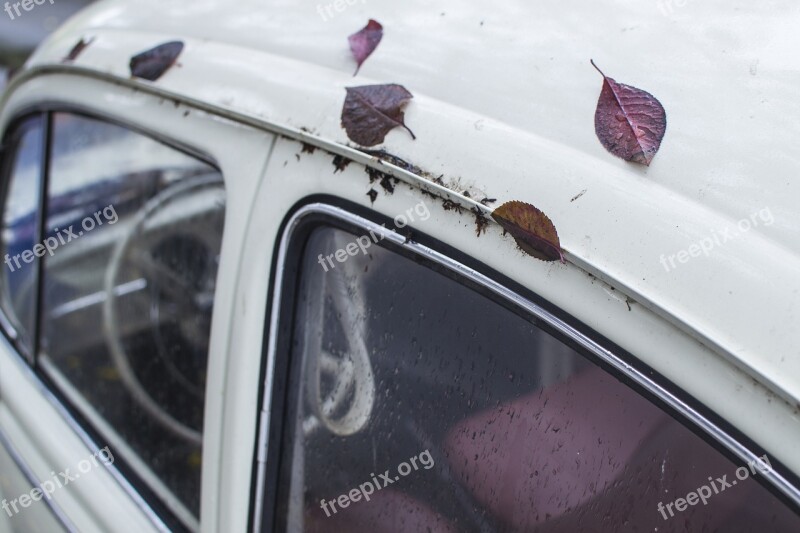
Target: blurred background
{"points": [[20, 36]]}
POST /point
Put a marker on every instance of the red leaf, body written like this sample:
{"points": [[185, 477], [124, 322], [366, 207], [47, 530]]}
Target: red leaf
{"points": [[533, 231], [629, 122], [364, 42], [77, 49], [152, 64], [372, 111]]}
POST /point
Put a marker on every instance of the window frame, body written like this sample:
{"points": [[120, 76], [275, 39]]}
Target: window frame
{"points": [[7, 159], [145, 497], [277, 390]]}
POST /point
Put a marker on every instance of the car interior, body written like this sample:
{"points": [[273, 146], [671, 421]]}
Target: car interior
{"points": [[393, 358]]}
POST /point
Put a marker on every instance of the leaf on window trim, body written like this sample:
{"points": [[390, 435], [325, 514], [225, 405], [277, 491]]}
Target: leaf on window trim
{"points": [[364, 42], [533, 231], [629, 122], [77, 49], [152, 64], [372, 111]]}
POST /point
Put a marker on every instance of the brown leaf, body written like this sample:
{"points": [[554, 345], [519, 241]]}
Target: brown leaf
{"points": [[77, 49], [372, 111], [629, 122], [532, 230], [364, 42], [152, 64]]}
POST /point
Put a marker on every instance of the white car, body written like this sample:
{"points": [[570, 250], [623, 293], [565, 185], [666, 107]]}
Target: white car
{"points": [[220, 312]]}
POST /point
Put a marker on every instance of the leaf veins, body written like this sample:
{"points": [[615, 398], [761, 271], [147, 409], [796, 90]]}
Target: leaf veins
{"points": [[533, 231], [372, 111], [629, 122]]}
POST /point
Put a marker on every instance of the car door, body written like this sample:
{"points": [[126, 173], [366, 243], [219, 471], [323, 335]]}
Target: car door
{"points": [[413, 393], [114, 304]]}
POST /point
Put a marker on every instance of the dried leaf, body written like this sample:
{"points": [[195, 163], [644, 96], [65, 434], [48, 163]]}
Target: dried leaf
{"points": [[364, 42], [372, 111], [77, 49], [629, 122], [152, 64], [532, 229]]}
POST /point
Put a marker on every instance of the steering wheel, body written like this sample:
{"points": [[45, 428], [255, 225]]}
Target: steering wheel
{"points": [[191, 298], [340, 387]]}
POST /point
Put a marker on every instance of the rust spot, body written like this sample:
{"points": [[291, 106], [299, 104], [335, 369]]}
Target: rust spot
{"points": [[383, 155], [340, 162], [385, 180], [386, 183], [373, 194], [374, 175], [297, 156], [481, 222], [450, 205], [578, 195]]}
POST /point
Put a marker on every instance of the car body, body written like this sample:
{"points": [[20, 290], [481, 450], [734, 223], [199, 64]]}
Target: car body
{"points": [[502, 111]]}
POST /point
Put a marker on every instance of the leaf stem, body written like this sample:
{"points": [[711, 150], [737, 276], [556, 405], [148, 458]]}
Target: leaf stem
{"points": [[598, 68]]}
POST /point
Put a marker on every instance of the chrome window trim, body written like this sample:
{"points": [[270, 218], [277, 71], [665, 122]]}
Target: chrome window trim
{"points": [[500, 291], [35, 482]]}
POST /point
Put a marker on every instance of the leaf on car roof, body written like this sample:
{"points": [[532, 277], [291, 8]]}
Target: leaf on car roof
{"points": [[533, 231], [77, 49], [372, 111], [364, 42], [629, 122], [152, 64]]}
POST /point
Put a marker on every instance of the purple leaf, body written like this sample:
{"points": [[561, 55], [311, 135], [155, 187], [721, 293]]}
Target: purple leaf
{"points": [[77, 49], [364, 42], [533, 231], [152, 64], [372, 111], [629, 122]]}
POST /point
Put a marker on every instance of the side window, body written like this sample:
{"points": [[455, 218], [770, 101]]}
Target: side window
{"points": [[132, 238], [22, 185], [417, 404]]}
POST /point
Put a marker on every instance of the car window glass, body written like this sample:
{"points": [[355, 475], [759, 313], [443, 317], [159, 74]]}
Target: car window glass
{"points": [[133, 231], [418, 404], [23, 179]]}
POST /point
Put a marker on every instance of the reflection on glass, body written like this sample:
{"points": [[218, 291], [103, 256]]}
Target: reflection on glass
{"points": [[19, 233], [391, 360], [129, 291]]}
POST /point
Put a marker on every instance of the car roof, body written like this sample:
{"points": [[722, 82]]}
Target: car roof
{"points": [[504, 102]]}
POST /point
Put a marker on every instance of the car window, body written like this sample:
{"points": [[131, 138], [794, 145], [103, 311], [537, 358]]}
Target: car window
{"points": [[417, 403], [22, 187], [133, 230]]}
